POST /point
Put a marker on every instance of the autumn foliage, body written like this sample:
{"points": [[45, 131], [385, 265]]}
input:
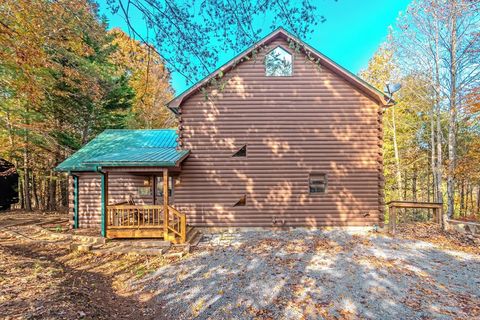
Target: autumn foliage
{"points": [[64, 78]]}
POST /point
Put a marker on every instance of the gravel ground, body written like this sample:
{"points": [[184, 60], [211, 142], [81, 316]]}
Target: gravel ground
{"points": [[317, 274]]}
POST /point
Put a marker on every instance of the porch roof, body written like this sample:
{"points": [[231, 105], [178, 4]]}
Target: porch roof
{"points": [[127, 148], [145, 157]]}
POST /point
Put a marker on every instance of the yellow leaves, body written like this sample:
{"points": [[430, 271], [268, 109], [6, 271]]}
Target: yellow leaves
{"points": [[149, 79], [197, 307]]}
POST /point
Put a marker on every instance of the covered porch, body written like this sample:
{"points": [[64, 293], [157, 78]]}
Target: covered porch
{"points": [[158, 219], [136, 194]]}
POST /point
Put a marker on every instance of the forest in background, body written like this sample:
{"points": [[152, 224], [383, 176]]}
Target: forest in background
{"points": [[64, 78], [432, 133]]}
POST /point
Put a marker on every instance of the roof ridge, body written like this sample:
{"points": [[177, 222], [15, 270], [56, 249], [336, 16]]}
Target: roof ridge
{"points": [[156, 129], [349, 76]]}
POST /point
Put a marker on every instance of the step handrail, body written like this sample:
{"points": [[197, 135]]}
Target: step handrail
{"points": [[179, 225]]}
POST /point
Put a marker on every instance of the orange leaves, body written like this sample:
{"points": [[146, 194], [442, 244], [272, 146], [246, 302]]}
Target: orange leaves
{"points": [[327, 246], [432, 233], [149, 78]]}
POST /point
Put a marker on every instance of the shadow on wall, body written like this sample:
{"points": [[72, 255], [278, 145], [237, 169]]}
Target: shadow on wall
{"points": [[312, 122]]}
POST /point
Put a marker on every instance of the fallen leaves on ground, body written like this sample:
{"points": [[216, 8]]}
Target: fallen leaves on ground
{"points": [[431, 232], [41, 280]]}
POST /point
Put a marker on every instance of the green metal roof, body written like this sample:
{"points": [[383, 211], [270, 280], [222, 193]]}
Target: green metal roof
{"points": [[140, 157], [127, 148]]}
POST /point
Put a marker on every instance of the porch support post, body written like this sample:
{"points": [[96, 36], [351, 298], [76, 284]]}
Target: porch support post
{"points": [[104, 201], [75, 202], [165, 203]]}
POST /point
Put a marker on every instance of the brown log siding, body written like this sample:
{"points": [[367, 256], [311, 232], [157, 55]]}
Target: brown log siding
{"points": [[89, 200], [312, 122], [71, 210], [121, 187]]}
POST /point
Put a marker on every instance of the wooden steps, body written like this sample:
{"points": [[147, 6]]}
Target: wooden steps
{"points": [[150, 221], [192, 239], [193, 236]]}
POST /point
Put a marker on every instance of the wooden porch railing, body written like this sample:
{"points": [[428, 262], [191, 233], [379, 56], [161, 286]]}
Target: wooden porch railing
{"points": [[133, 216], [177, 224], [121, 218]]}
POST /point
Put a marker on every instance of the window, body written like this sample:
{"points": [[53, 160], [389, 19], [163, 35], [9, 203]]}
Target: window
{"points": [[317, 183], [159, 186], [242, 152], [242, 202], [145, 191], [278, 63]]}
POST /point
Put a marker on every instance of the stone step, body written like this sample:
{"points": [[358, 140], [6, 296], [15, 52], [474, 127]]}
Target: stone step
{"points": [[131, 250], [196, 239], [142, 243], [191, 232]]}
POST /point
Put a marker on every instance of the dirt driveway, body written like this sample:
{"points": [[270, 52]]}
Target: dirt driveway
{"points": [[41, 278], [270, 275], [319, 274]]}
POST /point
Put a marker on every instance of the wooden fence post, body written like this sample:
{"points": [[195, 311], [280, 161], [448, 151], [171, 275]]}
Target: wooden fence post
{"points": [[165, 204], [393, 219]]}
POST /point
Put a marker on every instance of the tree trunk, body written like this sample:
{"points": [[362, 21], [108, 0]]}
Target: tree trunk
{"points": [[44, 193], [470, 203], [86, 130], [439, 162], [64, 187], [432, 159], [428, 187], [35, 192], [478, 199], [52, 188], [414, 184], [11, 139], [26, 177], [397, 157], [462, 197], [20, 191], [452, 119], [414, 188]]}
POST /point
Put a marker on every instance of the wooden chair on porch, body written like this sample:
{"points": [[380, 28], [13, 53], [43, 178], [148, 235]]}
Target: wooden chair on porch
{"points": [[121, 220]]}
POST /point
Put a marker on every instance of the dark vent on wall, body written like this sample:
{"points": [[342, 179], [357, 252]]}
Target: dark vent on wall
{"points": [[242, 152], [241, 202]]}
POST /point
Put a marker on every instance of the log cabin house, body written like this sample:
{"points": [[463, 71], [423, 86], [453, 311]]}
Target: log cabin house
{"points": [[280, 136]]}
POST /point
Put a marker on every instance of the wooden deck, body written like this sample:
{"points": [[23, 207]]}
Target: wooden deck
{"points": [[146, 221]]}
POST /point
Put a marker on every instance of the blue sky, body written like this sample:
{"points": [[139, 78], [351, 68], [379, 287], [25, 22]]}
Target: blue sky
{"points": [[350, 36]]}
